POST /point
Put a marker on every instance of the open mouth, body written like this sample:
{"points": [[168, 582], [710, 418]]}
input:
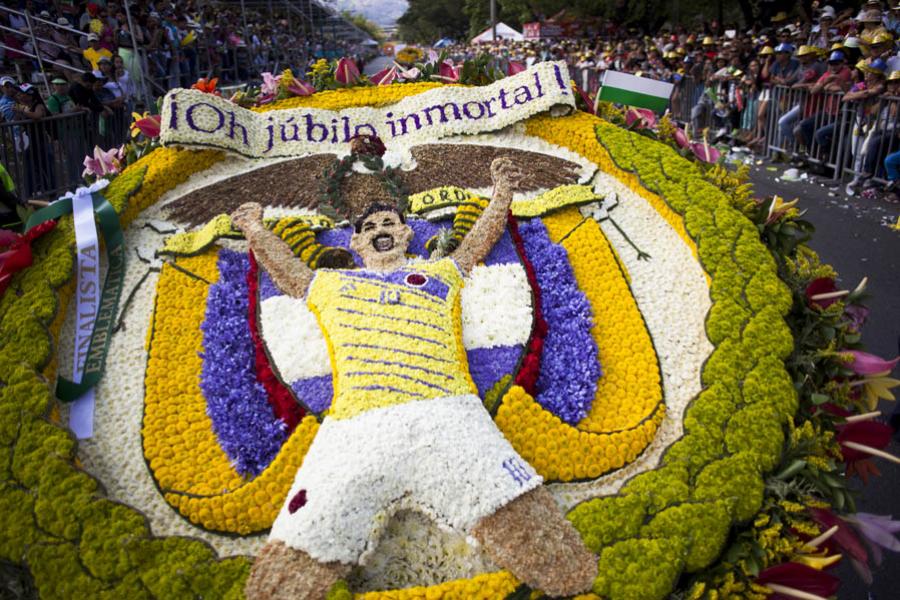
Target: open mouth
{"points": [[383, 242]]}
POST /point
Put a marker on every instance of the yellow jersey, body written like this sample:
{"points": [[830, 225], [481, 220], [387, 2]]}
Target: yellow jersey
{"points": [[392, 337]]}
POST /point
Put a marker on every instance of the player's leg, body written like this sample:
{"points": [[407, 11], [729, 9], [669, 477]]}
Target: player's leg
{"points": [[531, 538], [282, 572]]}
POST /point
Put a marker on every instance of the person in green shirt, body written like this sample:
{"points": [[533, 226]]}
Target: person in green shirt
{"points": [[59, 101]]}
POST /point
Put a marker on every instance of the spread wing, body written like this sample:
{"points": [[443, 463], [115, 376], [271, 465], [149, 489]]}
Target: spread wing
{"points": [[290, 184], [469, 166]]}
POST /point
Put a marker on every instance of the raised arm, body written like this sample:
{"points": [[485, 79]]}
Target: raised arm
{"points": [[487, 230], [288, 272]]}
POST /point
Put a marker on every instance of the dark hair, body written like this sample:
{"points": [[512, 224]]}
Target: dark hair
{"points": [[88, 78], [376, 207]]}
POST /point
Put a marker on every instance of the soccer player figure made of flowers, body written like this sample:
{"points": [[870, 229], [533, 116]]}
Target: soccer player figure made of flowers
{"points": [[406, 429]]}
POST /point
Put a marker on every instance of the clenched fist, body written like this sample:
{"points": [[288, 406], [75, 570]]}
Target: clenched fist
{"points": [[247, 216]]}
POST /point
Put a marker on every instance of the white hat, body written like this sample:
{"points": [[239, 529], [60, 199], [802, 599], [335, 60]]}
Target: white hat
{"points": [[827, 11], [63, 21], [93, 37], [7, 80], [98, 74]]}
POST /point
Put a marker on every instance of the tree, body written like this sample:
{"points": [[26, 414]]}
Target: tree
{"points": [[427, 21], [365, 24]]}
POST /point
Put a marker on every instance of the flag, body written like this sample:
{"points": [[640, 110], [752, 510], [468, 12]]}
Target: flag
{"points": [[622, 88]]}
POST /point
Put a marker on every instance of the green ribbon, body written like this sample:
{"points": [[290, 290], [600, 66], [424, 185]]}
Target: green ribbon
{"points": [[111, 292]]}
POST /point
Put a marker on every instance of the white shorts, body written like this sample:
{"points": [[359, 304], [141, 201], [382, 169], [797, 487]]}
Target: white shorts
{"points": [[444, 457]]}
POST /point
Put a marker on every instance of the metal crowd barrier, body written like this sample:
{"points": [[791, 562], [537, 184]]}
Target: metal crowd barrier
{"points": [[872, 134], [45, 158]]}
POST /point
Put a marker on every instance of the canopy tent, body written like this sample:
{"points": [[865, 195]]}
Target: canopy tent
{"points": [[504, 32]]}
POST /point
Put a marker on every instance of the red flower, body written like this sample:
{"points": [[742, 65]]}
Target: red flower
{"points": [[18, 251], [818, 293], [207, 86], [514, 67], [385, 76], [346, 72], [793, 576]]}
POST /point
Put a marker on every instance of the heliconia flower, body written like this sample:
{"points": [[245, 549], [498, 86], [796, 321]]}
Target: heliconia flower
{"points": [[346, 72], [645, 119], [146, 124], [877, 531], [869, 364], [270, 84], [301, 88], [448, 72], [778, 207], [207, 86], [514, 67], [822, 293], [786, 579], [861, 440], [385, 76], [104, 163], [681, 138], [705, 152]]}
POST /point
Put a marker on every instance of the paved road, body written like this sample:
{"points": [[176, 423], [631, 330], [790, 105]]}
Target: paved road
{"points": [[377, 64], [851, 234]]}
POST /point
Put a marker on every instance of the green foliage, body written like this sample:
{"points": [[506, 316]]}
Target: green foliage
{"points": [[427, 21], [644, 569]]}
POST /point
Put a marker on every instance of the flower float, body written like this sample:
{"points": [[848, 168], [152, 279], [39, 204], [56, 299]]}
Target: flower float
{"points": [[632, 334]]}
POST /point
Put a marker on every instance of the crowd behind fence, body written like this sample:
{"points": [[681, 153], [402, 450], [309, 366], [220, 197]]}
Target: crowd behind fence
{"points": [[841, 139], [838, 138], [46, 157]]}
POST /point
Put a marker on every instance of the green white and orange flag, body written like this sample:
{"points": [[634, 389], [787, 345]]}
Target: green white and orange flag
{"points": [[622, 88]]}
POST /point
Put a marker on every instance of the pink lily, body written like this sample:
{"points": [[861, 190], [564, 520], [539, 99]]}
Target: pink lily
{"points": [[270, 83], [448, 72], [301, 88], [868, 364], [514, 67], [385, 76], [645, 119], [103, 163], [681, 138], [409, 74], [346, 72], [705, 152]]}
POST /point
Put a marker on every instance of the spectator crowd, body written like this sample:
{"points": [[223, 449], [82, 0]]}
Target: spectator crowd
{"points": [[96, 60], [812, 90]]}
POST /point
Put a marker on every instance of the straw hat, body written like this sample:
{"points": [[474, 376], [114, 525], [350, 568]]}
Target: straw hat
{"points": [[894, 76], [882, 38], [807, 50], [708, 41], [766, 51], [781, 16]]}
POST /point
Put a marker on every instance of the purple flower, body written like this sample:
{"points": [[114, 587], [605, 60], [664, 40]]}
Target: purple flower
{"points": [[236, 401], [877, 531], [570, 366]]}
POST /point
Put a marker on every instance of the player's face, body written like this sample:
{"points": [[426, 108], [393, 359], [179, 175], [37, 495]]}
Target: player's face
{"points": [[382, 235]]}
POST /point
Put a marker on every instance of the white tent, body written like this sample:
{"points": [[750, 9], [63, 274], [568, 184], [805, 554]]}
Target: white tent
{"points": [[504, 32]]}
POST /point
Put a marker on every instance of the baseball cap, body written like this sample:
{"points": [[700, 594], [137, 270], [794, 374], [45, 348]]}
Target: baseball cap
{"points": [[836, 56], [7, 80], [98, 74], [93, 37], [104, 59], [785, 47], [27, 88], [827, 13], [58, 80], [63, 21]]}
